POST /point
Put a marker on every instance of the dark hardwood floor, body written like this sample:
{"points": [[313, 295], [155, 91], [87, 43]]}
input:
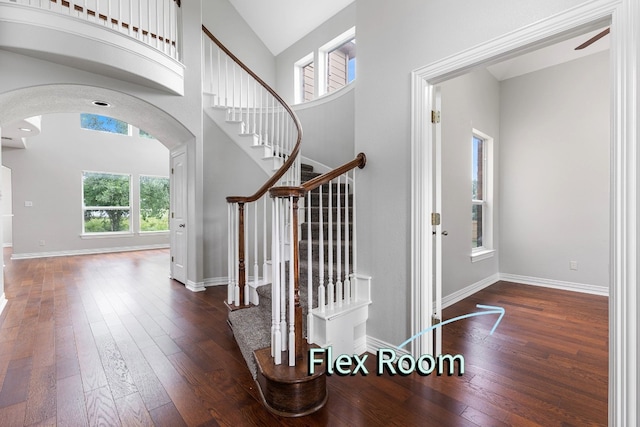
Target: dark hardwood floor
{"points": [[110, 340]]}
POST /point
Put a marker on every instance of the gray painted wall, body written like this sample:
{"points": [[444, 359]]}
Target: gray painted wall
{"points": [[471, 101], [49, 174], [224, 22], [328, 128], [555, 172], [407, 35]]}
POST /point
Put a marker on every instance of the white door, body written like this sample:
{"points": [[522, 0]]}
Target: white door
{"points": [[437, 229], [178, 222]]}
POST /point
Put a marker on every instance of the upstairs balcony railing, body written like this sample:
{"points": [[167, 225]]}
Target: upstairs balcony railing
{"points": [[157, 23]]}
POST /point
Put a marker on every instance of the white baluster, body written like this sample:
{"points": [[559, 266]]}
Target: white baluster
{"points": [[309, 272], [330, 248], [321, 288], [139, 19], [338, 248], [246, 255], [347, 270], [265, 266], [230, 289], [354, 243], [283, 284], [292, 323], [276, 344], [256, 269], [255, 105]]}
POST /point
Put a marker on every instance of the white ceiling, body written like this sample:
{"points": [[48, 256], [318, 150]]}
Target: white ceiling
{"points": [[281, 23], [549, 56]]}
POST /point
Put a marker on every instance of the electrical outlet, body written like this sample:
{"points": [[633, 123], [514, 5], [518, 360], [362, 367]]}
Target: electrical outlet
{"points": [[28, 203], [573, 265], [41, 243]]}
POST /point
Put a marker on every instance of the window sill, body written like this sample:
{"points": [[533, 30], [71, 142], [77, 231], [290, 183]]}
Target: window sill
{"points": [[106, 235], [154, 233], [482, 254]]}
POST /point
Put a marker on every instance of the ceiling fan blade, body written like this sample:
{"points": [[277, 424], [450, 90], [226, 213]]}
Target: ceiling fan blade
{"points": [[594, 39]]}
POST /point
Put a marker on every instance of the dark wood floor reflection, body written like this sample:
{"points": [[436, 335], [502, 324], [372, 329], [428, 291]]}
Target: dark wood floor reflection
{"points": [[110, 340]]}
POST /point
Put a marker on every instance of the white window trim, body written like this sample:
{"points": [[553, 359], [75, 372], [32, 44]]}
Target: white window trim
{"points": [[127, 233], [297, 77], [487, 249]]}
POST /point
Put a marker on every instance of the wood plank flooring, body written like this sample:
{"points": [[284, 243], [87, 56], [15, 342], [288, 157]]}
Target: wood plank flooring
{"points": [[110, 340]]}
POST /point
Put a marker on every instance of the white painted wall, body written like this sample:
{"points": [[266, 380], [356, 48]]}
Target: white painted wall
{"points": [[328, 127], [471, 101], [226, 24], [7, 209], [395, 38], [555, 172], [49, 174]]}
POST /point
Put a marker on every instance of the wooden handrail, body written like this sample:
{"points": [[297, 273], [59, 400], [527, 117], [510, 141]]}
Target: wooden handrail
{"points": [[359, 162], [296, 149]]}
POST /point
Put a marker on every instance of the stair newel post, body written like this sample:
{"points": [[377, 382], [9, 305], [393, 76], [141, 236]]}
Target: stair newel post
{"points": [[347, 281], [283, 275], [265, 255], [241, 256], [321, 288], [338, 250]]}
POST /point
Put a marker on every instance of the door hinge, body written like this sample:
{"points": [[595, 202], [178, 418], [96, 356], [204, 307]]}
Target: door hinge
{"points": [[171, 171], [171, 259], [435, 320], [435, 116], [171, 214], [435, 219]]}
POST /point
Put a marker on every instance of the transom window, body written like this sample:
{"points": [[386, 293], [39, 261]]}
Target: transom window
{"points": [[103, 124]]}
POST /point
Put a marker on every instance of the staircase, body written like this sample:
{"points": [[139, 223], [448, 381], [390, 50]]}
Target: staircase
{"points": [[293, 282]]}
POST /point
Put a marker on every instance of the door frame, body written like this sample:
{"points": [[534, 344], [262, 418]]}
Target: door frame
{"points": [[624, 18]]}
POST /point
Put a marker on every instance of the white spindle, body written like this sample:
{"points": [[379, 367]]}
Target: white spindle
{"points": [[283, 284], [265, 266], [236, 257], [229, 257], [354, 243], [292, 323], [139, 35], [256, 269], [276, 344], [309, 272], [149, 22], [157, 25], [338, 248], [321, 288], [255, 105], [330, 248], [347, 270], [246, 254]]}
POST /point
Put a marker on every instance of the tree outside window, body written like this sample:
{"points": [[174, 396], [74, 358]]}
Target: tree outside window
{"points": [[154, 203], [106, 202]]}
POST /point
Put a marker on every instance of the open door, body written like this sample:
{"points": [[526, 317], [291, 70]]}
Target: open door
{"points": [[178, 220]]}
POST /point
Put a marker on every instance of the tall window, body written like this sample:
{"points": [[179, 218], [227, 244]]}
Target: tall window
{"points": [[481, 194], [106, 202], [341, 65], [103, 123], [154, 203], [307, 78]]}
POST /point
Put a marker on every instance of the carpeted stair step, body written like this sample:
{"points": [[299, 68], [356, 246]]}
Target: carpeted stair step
{"points": [[252, 331], [315, 213], [315, 230]]}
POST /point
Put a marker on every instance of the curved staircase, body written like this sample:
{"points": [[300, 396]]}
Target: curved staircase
{"points": [[293, 282]]}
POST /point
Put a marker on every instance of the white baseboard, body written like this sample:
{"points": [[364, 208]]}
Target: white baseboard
{"points": [[469, 290], [89, 251], [3, 302], [216, 281], [7, 245], [374, 344], [195, 286], [556, 284]]}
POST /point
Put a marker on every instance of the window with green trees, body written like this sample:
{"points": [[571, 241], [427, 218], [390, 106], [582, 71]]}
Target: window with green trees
{"points": [[106, 202], [154, 203], [103, 123]]}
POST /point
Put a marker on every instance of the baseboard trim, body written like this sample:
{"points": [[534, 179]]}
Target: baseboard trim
{"points": [[469, 290], [3, 302], [374, 344], [7, 245], [556, 284], [195, 286], [216, 281], [88, 251]]}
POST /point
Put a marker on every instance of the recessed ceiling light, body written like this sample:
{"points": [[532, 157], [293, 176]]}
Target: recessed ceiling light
{"points": [[101, 104], [25, 129]]}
